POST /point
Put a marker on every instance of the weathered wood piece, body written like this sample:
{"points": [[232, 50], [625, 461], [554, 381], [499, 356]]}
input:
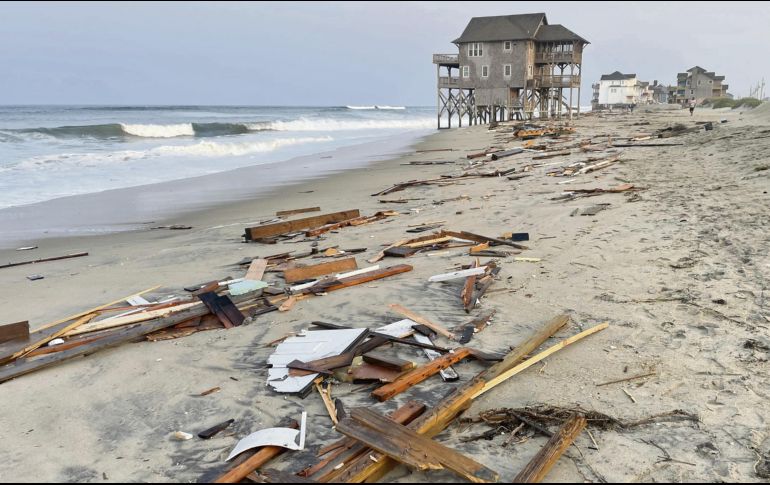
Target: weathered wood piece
{"points": [[372, 468], [253, 462], [122, 321], [299, 273], [482, 239], [537, 469], [14, 331], [422, 320], [456, 275], [223, 308], [278, 228], [326, 286], [410, 448], [356, 221], [506, 153], [419, 374], [214, 430], [291, 212], [256, 270], [15, 349], [43, 260], [380, 359], [468, 288]]}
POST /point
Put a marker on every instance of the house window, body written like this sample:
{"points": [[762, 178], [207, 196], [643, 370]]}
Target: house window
{"points": [[529, 70], [507, 46], [692, 91], [507, 70], [612, 90], [466, 71], [484, 71], [474, 49]]}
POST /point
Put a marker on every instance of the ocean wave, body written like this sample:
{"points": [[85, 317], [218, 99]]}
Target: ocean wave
{"points": [[328, 124], [390, 107], [159, 131], [361, 107], [65, 161], [375, 107]]}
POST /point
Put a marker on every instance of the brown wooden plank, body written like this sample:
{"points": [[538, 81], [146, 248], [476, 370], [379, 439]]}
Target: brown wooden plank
{"points": [[291, 212], [223, 307], [10, 351], [278, 228], [420, 374], [469, 302], [359, 279], [539, 466], [256, 270], [405, 312], [408, 447], [57, 258], [469, 236], [432, 422], [387, 361], [299, 273], [372, 373], [14, 331], [253, 462], [70, 344]]}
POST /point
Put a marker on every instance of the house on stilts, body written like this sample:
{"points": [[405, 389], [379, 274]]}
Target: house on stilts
{"points": [[510, 67]]}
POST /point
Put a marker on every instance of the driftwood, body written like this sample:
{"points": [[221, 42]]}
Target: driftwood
{"points": [[547, 457]]}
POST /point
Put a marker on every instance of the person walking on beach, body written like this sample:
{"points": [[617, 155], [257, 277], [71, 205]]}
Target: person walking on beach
{"points": [[692, 106]]}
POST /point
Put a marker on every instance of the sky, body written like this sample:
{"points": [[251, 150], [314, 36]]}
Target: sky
{"points": [[338, 53]]}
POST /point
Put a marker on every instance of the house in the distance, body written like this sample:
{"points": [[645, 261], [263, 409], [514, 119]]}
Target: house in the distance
{"points": [[510, 66], [620, 90], [699, 84]]}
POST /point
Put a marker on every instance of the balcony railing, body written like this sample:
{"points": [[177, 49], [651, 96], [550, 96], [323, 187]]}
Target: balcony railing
{"points": [[545, 57], [448, 82], [446, 59], [556, 81]]}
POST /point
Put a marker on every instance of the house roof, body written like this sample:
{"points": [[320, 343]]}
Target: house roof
{"points": [[502, 27], [617, 76], [556, 32]]}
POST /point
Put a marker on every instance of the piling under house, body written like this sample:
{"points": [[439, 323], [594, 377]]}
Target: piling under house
{"points": [[510, 67]]}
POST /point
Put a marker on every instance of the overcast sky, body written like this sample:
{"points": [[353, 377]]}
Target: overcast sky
{"points": [[337, 53]]}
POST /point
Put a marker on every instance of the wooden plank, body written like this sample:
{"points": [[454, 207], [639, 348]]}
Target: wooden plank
{"points": [[467, 294], [389, 362], [207, 434], [408, 447], [534, 360], [421, 320], [359, 279], [373, 467], [299, 273], [291, 212], [278, 228], [469, 236], [223, 308], [69, 344], [364, 372], [539, 466], [419, 374], [57, 258], [14, 331], [265, 454], [11, 351], [256, 270], [128, 319]]}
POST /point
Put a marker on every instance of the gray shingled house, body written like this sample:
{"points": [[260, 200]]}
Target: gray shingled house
{"points": [[510, 67]]}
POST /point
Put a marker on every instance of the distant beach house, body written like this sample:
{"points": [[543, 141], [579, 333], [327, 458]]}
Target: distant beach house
{"points": [[699, 84], [619, 90], [510, 67]]}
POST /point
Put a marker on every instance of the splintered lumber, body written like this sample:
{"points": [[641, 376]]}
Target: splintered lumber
{"points": [[448, 374], [278, 228], [422, 320], [13, 350], [57, 258], [436, 419], [419, 374], [265, 454], [382, 360], [297, 211], [469, 236], [326, 286], [506, 153], [256, 270], [381, 254], [410, 448], [537, 469], [467, 294], [534, 360], [14, 331], [127, 319], [600, 165], [456, 275], [214, 430], [223, 308], [299, 273], [356, 221], [551, 155]]}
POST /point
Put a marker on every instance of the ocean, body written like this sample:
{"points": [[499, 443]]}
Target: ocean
{"points": [[49, 152]]}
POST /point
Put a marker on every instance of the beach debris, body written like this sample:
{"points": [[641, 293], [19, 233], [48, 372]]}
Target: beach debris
{"points": [[467, 293], [448, 374], [43, 260], [325, 393], [526, 260], [288, 438], [246, 286], [174, 227], [539, 466], [256, 269], [35, 277], [222, 306], [351, 222], [506, 153], [26, 248], [325, 286], [14, 331], [291, 212], [298, 273], [209, 433], [388, 362], [181, 436], [594, 209], [405, 312], [210, 391], [265, 231]]}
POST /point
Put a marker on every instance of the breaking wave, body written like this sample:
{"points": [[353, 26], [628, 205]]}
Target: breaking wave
{"points": [[205, 148], [120, 130]]}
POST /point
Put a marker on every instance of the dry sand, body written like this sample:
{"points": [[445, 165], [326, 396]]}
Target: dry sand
{"points": [[656, 265]]}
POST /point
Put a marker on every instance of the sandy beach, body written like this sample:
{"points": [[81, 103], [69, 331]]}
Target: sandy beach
{"points": [[679, 270]]}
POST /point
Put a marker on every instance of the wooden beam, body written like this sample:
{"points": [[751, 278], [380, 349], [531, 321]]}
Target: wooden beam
{"points": [[436, 419], [299, 273], [382, 360], [405, 312], [11, 351], [14, 331], [278, 228], [57, 258], [546, 458], [468, 288], [359, 279], [297, 211], [127, 319], [419, 374], [410, 448], [469, 236]]}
